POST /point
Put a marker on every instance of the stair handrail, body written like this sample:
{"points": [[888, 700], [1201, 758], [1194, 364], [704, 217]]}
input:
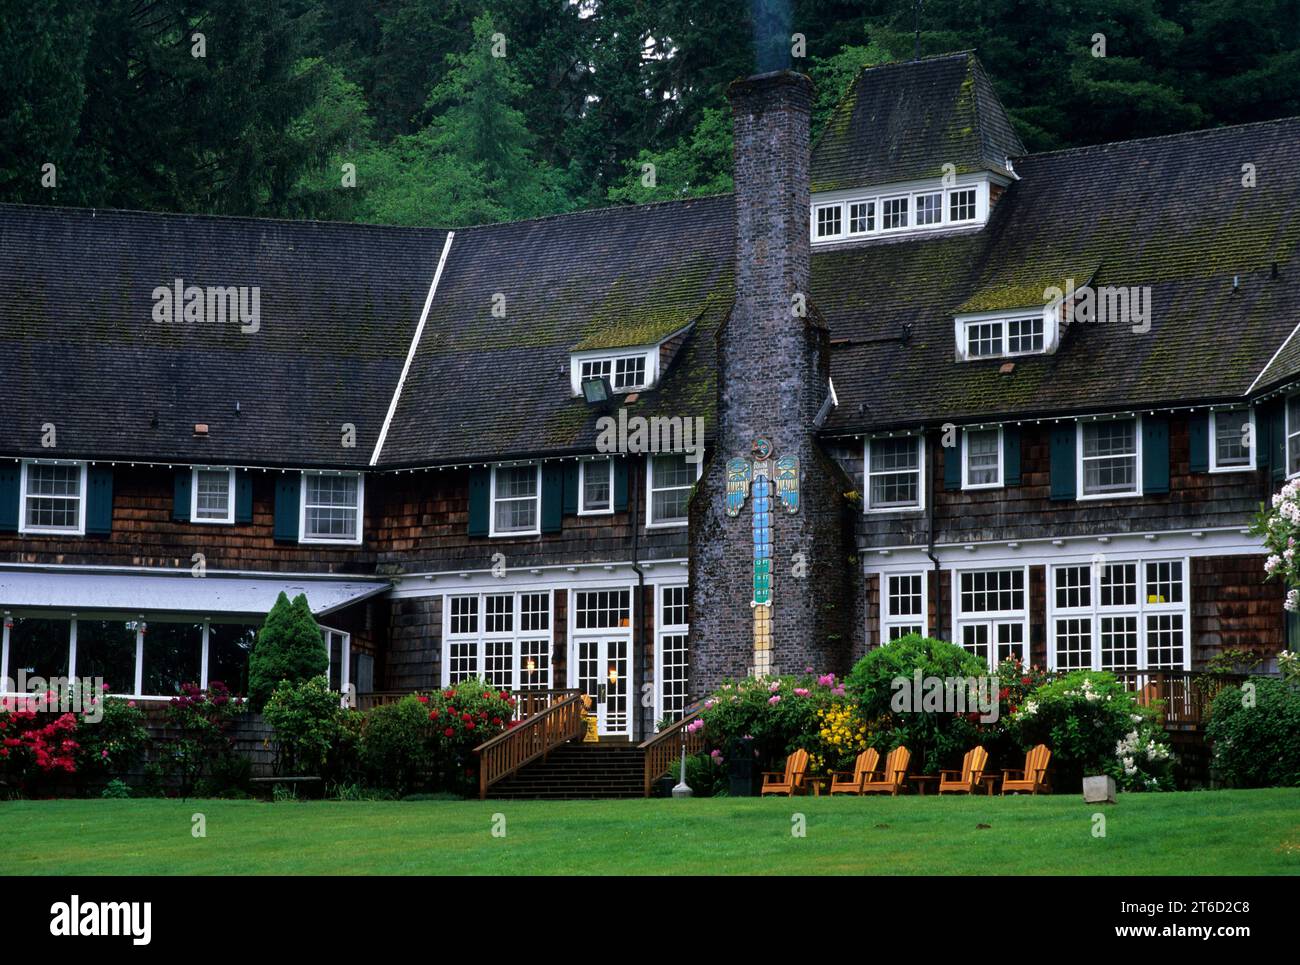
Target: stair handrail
{"points": [[663, 748], [528, 740]]}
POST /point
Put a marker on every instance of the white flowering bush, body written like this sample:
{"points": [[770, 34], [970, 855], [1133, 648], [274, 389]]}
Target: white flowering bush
{"points": [[1094, 726], [1279, 525]]}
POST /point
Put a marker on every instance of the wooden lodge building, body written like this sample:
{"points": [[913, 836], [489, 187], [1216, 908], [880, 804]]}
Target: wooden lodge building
{"points": [[1026, 402]]}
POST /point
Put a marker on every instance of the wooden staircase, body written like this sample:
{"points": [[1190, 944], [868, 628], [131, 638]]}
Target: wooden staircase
{"points": [[576, 771]]}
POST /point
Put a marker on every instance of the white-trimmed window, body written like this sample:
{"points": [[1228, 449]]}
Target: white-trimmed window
{"points": [[503, 638], [1118, 615], [1008, 336], [961, 205], [903, 605], [673, 670], [991, 616], [627, 371], [894, 213], [895, 477], [929, 209], [1110, 458], [669, 480], [1232, 440], [212, 495], [829, 221], [54, 497], [1293, 436], [516, 500], [862, 217], [331, 507], [595, 487], [981, 464]]}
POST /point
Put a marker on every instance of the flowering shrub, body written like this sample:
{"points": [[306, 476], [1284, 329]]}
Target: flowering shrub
{"points": [[1279, 525], [200, 719], [843, 735], [1256, 733], [40, 744], [1094, 726], [779, 714], [428, 740]]}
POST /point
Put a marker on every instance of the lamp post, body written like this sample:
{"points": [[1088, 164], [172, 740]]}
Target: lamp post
{"points": [[682, 789]]}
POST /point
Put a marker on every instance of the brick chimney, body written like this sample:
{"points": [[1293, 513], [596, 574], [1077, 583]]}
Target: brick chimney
{"points": [[773, 368]]}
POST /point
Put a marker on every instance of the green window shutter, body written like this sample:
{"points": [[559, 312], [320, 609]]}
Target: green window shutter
{"points": [[10, 498], [1011, 455], [288, 490], [1198, 438], [1063, 461], [243, 496], [99, 499], [1272, 419], [1155, 454], [181, 495], [620, 484], [552, 497], [480, 498], [952, 463], [571, 488]]}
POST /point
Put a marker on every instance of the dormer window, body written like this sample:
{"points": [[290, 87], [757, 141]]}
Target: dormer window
{"points": [[900, 209], [1004, 334], [627, 371]]}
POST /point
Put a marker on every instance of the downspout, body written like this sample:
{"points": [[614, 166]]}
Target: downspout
{"points": [[639, 630], [929, 545]]}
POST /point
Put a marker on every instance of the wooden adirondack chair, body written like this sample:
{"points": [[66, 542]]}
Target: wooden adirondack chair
{"points": [[864, 768], [1034, 777], [967, 780], [790, 781], [891, 782]]}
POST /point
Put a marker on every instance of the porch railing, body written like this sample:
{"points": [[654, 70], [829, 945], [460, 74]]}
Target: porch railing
{"points": [[665, 748], [533, 737], [1185, 695]]}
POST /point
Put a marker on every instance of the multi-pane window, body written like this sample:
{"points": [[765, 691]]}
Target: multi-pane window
{"points": [[214, 496], [982, 460], [1293, 435], [1126, 615], [509, 648], [862, 217], [674, 662], [54, 497], [1233, 440], [331, 507], [894, 213], [602, 609], [1109, 458], [929, 208], [984, 339], [961, 205], [894, 473], [1024, 335], [992, 613], [669, 492], [902, 609], [596, 486], [597, 369], [829, 221], [516, 499], [629, 372]]}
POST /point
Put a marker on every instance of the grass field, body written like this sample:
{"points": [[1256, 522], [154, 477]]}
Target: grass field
{"points": [[1223, 832]]}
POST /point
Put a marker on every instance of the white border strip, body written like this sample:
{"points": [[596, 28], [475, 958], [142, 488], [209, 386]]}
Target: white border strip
{"points": [[410, 355], [1269, 364]]}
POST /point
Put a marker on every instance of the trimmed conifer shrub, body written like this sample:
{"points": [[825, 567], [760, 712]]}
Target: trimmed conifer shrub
{"points": [[289, 647]]}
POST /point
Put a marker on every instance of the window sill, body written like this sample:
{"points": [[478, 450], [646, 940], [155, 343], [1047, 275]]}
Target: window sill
{"points": [[673, 525], [976, 488], [1096, 497], [893, 509], [324, 541], [50, 532], [213, 522], [596, 512], [1217, 470], [514, 534]]}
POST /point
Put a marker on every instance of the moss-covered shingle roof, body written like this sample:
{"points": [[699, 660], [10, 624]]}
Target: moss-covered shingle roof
{"points": [[903, 122]]}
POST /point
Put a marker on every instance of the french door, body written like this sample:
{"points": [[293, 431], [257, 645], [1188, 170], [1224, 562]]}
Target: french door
{"points": [[602, 670]]}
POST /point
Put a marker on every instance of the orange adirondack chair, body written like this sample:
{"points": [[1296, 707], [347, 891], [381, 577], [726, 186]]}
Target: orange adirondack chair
{"points": [[891, 782], [967, 780], [864, 768], [790, 781], [1034, 777]]}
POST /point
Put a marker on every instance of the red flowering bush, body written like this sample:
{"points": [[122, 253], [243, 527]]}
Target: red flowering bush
{"points": [[199, 720], [67, 739], [427, 741]]}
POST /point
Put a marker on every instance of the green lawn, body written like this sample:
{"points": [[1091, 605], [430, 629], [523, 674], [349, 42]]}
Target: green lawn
{"points": [[1223, 832]]}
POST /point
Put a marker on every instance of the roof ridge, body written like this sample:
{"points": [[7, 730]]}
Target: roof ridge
{"points": [[1205, 131]]}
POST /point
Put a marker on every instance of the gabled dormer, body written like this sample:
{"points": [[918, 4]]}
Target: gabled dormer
{"points": [[627, 368], [912, 148]]}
